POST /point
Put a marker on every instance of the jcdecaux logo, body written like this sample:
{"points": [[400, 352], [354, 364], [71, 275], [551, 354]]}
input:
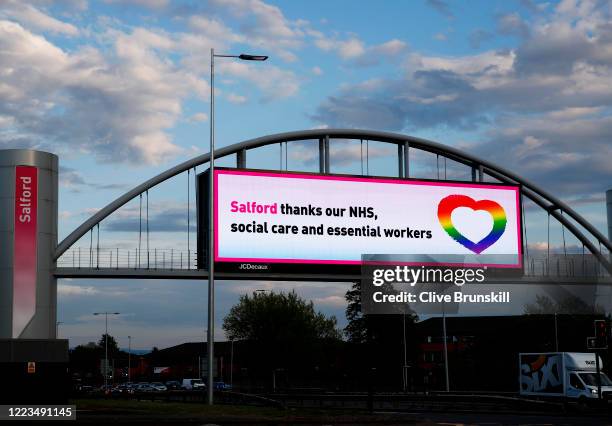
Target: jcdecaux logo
{"points": [[452, 202]]}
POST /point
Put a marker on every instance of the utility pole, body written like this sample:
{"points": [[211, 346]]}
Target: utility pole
{"points": [[445, 348], [106, 314], [129, 358], [211, 230]]}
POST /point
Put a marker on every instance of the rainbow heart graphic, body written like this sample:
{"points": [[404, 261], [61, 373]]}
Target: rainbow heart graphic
{"points": [[450, 203]]}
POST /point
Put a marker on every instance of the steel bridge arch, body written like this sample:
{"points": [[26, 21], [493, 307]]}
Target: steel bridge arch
{"points": [[555, 207]]}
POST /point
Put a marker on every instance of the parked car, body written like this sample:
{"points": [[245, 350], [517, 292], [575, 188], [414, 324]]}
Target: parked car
{"points": [[86, 389], [173, 384], [122, 389], [105, 389], [159, 386], [222, 386], [193, 384], [144, 387]]}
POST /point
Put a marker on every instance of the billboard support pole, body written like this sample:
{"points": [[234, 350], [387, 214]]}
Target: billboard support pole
{"points": [[445, 348], [211, 255], [556, 334], [405, 366]]}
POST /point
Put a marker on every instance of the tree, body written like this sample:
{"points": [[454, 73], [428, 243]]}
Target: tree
{"points": [[283, 317], [379, 339], [113, 348], [355, 330], [283, 336], [377, 327]]}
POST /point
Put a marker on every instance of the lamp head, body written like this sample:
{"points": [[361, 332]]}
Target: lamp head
{"points": [[245, 57]]}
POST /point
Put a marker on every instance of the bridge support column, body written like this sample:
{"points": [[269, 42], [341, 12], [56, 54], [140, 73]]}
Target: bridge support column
{"points": [[30, 354], [28, 238]]}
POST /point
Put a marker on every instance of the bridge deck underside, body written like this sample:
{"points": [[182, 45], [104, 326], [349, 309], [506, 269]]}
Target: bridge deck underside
{"points": [[196, 274]]}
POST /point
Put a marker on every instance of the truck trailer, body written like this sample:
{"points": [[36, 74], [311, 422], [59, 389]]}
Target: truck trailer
{"points": [[570, 375]]}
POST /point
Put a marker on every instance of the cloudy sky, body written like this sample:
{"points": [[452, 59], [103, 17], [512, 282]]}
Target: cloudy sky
{"points": [[119, 90]]}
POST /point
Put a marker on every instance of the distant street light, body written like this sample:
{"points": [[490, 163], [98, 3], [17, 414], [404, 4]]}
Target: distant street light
{"points": [[106, 314], [129, 358], [211, 256]]}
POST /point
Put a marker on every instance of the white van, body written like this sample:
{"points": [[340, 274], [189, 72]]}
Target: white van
{"points": [[571, 375], [193, 384]]}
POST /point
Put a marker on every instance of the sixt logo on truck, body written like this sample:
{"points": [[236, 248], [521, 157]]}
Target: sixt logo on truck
{"points": [[541, 373]]}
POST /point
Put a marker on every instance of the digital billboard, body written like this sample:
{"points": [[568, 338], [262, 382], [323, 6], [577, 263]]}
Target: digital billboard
{"points": [[278, 220]]}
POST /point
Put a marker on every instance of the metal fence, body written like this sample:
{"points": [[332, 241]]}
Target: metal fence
{"points": [[118, 258]]}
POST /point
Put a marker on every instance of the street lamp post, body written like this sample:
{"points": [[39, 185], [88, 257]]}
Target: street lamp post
{"points": [[211, 189], [445, 348], [106, 314], [405, 366], [129, 359], [232, 364]]}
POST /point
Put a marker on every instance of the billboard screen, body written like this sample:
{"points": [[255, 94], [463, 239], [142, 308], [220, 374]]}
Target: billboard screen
{"points": [[280, 219]]}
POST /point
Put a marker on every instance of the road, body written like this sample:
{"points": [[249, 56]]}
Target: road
{"points": [[290, 417]]}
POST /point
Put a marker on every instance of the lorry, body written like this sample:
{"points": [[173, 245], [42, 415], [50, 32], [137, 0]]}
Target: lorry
{"points": [[569, 375]]}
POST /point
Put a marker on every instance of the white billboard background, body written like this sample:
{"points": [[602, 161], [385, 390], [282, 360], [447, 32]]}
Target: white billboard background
{"points": [[397, 203]]}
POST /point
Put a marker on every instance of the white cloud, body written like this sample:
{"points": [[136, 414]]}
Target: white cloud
{"points": [[317, 71], [275, 82], [265, 27], [336, 301], [512, 24], [33, 18], [390, 48], [236, 99], [151, 4], [346, 49], [544, 106], [355, 51], [440, 37], [213, 29], [573, 112], [76, 290], [79, 101], [350, 49], [65, 214], [343, 151], [198, 117], [76, 101]]}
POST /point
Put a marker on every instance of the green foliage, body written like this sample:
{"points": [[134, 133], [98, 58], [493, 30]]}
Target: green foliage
{"points": [[374, 328], [355, 330], [278, 317], [113, 348]]}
